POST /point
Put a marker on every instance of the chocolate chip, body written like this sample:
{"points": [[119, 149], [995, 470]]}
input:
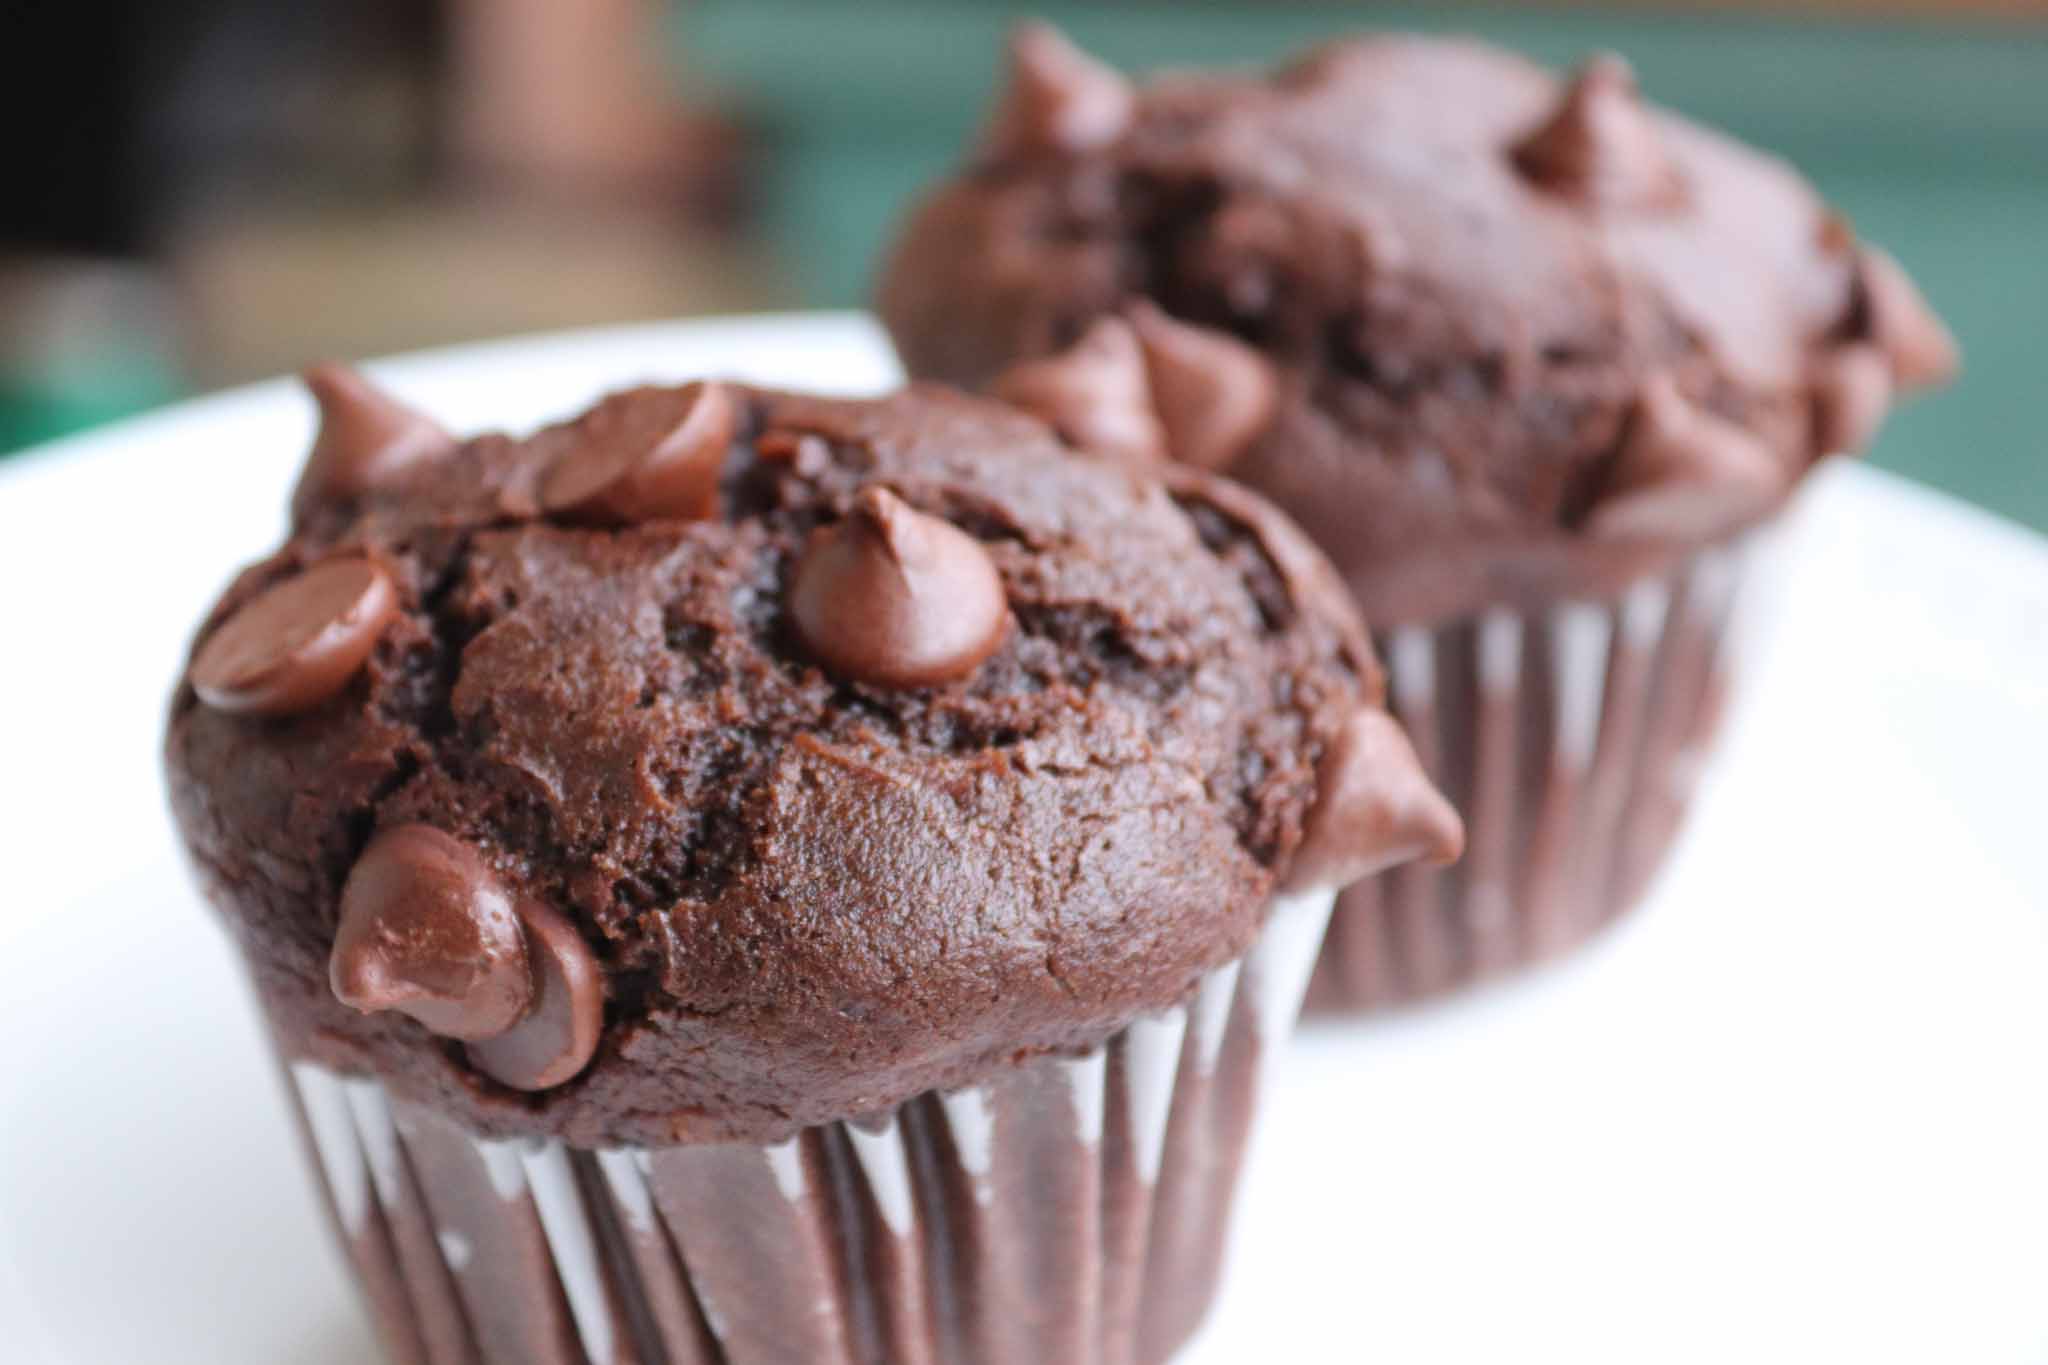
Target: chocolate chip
{"points": [[893, 597], [1374, 808], [1601, 144], [626, 473], [1922, 351], [297, 643], [1852, 390], [1682, 472], [1056, 99], [805, 453], [559, 1034], [427, 930], [367, 438], [1095, 393], [1835, 236], [1215, 394]]}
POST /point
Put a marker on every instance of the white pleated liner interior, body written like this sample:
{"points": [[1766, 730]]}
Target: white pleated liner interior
{"points": [[1164, 1065], [1542, 871], [1579, 640]]}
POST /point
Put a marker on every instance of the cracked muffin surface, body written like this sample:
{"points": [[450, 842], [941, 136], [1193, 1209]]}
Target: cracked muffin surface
{"points": [[570, 694]]}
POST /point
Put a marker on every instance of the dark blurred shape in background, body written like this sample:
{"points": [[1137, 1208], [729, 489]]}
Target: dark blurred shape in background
{"points": [[201, 191]]}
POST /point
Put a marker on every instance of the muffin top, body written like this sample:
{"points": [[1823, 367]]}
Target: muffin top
{"points": [[1488, 335], [723, 761]]}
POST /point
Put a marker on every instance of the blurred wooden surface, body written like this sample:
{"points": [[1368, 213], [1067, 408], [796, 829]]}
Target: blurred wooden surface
{"points": [[267, 292]]}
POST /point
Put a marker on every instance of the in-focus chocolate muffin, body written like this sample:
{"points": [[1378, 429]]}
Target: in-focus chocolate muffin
{"points": [[1528, 358], [747, 877]]}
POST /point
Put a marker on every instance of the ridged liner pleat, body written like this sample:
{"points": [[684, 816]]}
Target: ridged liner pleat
{"points": [[1072, 1210], [1569, 739]]}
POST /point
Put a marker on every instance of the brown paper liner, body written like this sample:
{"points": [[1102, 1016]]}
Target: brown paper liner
{"points": [[1070, 1210], [1569, 739]]}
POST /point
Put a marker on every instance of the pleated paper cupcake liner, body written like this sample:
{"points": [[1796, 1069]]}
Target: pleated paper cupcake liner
{"points": [[1071, 1210], [1570, 740]]}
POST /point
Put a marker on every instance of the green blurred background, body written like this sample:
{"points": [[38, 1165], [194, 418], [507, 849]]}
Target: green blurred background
{"points": [[437, 172]]}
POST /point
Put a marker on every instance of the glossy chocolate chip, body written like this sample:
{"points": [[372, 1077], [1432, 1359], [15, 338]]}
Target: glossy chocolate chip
{"points": [[428, 930], [298, 642], [1601, 144], [559, 1034], [896, 598], [1095, 393], [367, 438], [1852, 391], [1921, 349], [1057, 98], [1374, 808], [1215, 395], [1682, 473], [632, 472]]}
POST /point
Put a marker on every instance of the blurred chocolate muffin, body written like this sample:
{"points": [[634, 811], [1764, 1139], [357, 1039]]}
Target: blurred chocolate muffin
{"points": [[1528, 357]]}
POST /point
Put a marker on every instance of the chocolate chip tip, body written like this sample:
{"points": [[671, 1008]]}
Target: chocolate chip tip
{"points": [[1214, 394], [1922, 350], [891, 596], [366, 437], [1375, 808], [1682, 472], [1600, 144], [1096, 394], [1055, 97]]}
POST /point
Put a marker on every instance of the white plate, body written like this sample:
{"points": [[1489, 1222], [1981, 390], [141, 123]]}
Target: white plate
{"points": [[1795, 1110]]}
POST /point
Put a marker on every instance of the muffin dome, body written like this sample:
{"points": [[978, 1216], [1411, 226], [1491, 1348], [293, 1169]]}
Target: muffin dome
{"points": [[1492, 337], [723, 762]]}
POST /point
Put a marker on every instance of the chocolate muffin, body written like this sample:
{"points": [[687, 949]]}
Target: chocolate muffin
{"points": [[1529, 358], [744, 877]]}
